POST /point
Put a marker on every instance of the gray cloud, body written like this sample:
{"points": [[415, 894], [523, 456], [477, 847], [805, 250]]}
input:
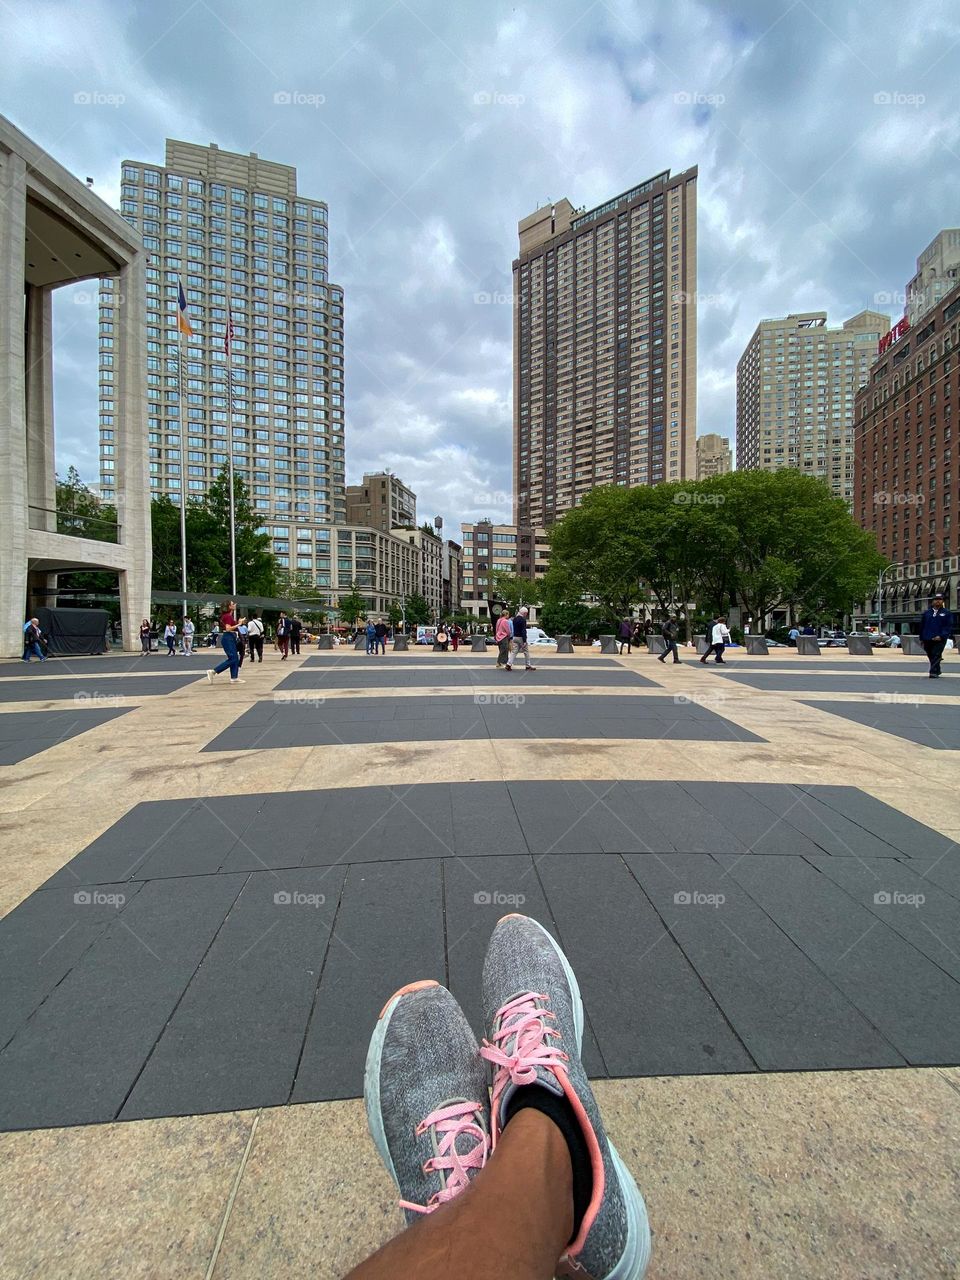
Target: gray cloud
{"points": [[826, 136]]}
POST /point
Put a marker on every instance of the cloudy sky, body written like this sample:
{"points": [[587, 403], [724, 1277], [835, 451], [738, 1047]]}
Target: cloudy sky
{"points": [[828, 140]]}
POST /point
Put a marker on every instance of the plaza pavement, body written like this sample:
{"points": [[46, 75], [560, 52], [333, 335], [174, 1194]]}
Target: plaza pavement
{"points": [[753, 1165]]}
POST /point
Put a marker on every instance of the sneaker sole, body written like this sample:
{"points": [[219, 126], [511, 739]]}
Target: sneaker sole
{"points": [[575, 1000], [371, 1074]]}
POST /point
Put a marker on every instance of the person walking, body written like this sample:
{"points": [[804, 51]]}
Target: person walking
{"points": [[145, 636], [520, 644], [296, 631], [381, 644], [455, 634], [936, 628], [668, 630], [625, 634], [187, 636], [241, 642], [283, 635], [719, 637], [170, 636], [503, 634], [229, 625], [793, 635], [371, 634], [32, 635], [255, 639], [443, 639]]}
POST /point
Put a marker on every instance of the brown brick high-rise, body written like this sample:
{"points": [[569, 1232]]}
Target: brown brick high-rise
{"points": [[605, 346]]}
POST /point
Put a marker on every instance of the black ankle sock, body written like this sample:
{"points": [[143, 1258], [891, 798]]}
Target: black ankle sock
{"points": [[559, 1110]]}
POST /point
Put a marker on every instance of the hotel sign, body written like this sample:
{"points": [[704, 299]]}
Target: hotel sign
{"points": [[895, 334]]}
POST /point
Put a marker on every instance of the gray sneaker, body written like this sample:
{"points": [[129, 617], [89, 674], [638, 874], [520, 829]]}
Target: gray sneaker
{"points": [[534, 1019], [425, 1090]]}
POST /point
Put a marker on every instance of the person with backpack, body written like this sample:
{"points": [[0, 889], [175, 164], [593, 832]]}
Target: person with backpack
{"points": [[503, 634], [625, 634], [255, 638], [669, 630], [283, 635]]}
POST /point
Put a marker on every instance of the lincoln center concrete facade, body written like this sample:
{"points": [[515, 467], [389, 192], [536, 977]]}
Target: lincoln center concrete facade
{"points": [[54, 232]]}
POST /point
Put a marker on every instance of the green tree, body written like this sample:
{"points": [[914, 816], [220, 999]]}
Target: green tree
{"points": [[257, 571], [514, 591], [572, 620], [417, 610], [353, 606], [395, 614]]}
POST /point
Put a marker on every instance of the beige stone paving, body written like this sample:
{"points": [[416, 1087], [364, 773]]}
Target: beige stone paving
{"points": [[800, 1175]]}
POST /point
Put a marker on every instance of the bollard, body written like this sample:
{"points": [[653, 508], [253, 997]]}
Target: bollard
{"points": [[859, 646], [608, 644], [808, 646], [564, 644], [656, 644], [324, 642], [360, 643], [399, 644], [912, 646], [756, 646], [701, 642], [478, 644]]}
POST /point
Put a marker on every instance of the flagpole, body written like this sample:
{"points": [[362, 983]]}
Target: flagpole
{"points": [[183, 494], [233, 530]]}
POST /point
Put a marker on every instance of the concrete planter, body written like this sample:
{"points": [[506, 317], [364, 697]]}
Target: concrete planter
{"points": [[324, 642], [756, 646], [608, 644], [478, 644], [859, 646], [701, 643], [912, 646], [808, 646], [564, 644], [360, 643], [656, 644], [400, 644]]}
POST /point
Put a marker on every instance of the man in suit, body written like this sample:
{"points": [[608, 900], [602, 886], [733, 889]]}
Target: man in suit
{"points": [[936, 627]]}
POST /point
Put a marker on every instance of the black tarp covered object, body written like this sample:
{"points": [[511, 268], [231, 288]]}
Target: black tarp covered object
{"points": [[74, 631]]}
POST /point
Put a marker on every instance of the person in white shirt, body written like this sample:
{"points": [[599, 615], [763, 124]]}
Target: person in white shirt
{"points": [[187, 636], [255, 638], [170, 637], [719, 637]]}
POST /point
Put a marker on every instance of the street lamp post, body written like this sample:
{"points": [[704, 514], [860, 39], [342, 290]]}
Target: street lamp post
{"points": [[880, 577]]}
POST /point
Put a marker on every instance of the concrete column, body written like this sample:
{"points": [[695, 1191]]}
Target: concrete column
{"points": [[131, 457], [13, 436], [38, 394]]}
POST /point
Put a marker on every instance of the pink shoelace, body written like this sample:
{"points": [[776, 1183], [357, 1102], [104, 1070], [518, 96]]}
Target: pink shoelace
{"points": [[451, 1123], [525, 1022]]}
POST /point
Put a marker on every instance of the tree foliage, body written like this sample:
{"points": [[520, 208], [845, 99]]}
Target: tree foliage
{"points": [[760, 540], [417, 610], [352, 606]]}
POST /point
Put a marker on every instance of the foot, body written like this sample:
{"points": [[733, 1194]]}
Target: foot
{"points": [[508, 667], [238, 681], [209, 674], [528, 667], [425, 1092], [534, 1019]]}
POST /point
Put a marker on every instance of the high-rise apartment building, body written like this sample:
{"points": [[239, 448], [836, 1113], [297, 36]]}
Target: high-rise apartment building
{"points": [[908, 487], [382, 501], [429, 546], [714, 456], [604, 346], [235, 231], [796, 384], [938, 272]]}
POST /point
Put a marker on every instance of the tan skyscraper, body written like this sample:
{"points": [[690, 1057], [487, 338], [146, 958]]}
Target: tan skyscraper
{"points": [[714, 456], [605, 346], [796, 384]]}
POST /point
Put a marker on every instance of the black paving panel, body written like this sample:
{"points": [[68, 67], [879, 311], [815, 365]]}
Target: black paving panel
{"points": [[248, 1004], [461, 678], [842, 682], [92, 690], [388, 931], [910, 1000], [364, 720], [78, 1056], [158, 973], [898, 829], [921, 912], [789, 1016], [26, 733], [135, 664], [641, 1030], [466, 659], [929, 725]]}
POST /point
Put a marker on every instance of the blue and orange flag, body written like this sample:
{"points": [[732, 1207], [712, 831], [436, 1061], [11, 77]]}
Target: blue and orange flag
{"points": [[183, 324]]}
